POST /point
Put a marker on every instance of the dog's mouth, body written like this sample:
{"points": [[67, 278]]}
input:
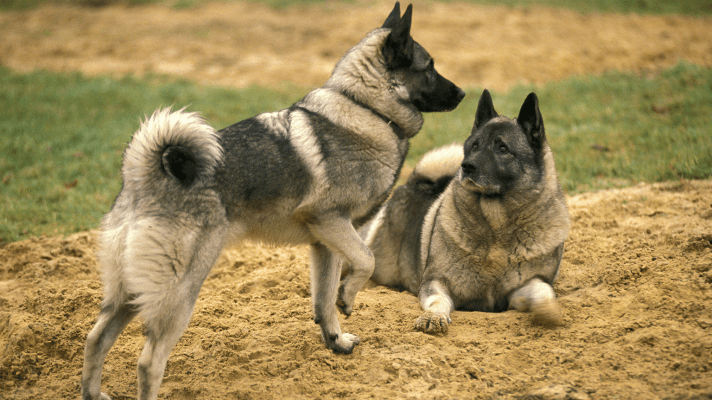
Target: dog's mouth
{"points": [[487, 189]]}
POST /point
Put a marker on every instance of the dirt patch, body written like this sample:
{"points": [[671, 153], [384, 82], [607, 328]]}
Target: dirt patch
{"points": [[635, 288], [635, 283], [240, 44]]}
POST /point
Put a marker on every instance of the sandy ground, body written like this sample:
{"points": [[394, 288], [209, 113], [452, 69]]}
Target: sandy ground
{"points": [[635, 282], [239, 44], [635, 289]]}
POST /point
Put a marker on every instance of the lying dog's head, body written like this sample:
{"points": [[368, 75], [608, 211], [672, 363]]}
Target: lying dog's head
{"points": [[502, 154]]}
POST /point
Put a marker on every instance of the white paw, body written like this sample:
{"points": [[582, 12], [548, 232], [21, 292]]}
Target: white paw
{"points": [[433, 322], [343, 343], [546, 312]]}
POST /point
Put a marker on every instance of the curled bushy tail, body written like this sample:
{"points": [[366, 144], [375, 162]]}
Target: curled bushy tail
{"points": [[171, 148], [437, 168]]}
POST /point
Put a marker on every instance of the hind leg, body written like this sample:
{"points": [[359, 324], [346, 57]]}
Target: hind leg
{"points": [[162, 334], [537, 297], [111, 322], [167, 311]]}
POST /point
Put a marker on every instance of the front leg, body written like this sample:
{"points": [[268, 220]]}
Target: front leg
{"points": [[337, 238], [325, 279], [537, 297], [438, 305], [339, 235]]}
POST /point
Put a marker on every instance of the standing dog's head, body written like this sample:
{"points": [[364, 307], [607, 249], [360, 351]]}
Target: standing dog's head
{"points": [[501, 154], [413, 69], [392, 74]]}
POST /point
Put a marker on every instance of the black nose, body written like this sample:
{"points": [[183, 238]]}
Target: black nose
{"points": [[460, 94], [468, 168]]}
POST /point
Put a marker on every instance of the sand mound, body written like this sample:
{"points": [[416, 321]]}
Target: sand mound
{"points": [[635, 289]]}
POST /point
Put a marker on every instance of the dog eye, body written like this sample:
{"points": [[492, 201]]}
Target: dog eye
{"points": [[502, 149]]}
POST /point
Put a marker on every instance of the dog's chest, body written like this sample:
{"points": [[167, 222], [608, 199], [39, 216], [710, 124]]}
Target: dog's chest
{"points": [[491, 236], [495, 214]]}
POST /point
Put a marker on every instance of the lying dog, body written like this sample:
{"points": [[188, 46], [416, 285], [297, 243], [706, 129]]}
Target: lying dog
{"points": [[309, 174], [480, 228]]}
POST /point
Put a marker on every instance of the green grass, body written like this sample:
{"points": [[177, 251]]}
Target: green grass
{"points": [[62, 135], [685, 7]]}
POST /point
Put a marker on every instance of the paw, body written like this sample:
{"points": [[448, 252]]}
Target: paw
{"points": [[343, 343], [345, 305], [102, 396], [433, 322], [547, 313]]}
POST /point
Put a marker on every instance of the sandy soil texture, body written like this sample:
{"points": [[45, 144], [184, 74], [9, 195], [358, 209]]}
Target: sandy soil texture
{"points": [[635, 289], [635, 284], [240, 44]]}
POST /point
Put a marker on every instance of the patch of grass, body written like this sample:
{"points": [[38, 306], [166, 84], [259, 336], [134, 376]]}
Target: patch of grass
{"points": [[620, 128], [62, 138], [62, 135]]}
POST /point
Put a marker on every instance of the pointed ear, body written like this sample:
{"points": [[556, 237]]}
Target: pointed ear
{"points": [[398, 49], [531, 121], [393, 17], [485, 110]]}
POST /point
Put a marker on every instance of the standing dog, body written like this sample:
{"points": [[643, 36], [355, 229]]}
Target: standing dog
{"points": [[480, 231], [309, 174]]}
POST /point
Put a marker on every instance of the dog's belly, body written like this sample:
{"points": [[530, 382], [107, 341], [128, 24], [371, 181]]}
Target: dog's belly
{"points": [[268, 226]]}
